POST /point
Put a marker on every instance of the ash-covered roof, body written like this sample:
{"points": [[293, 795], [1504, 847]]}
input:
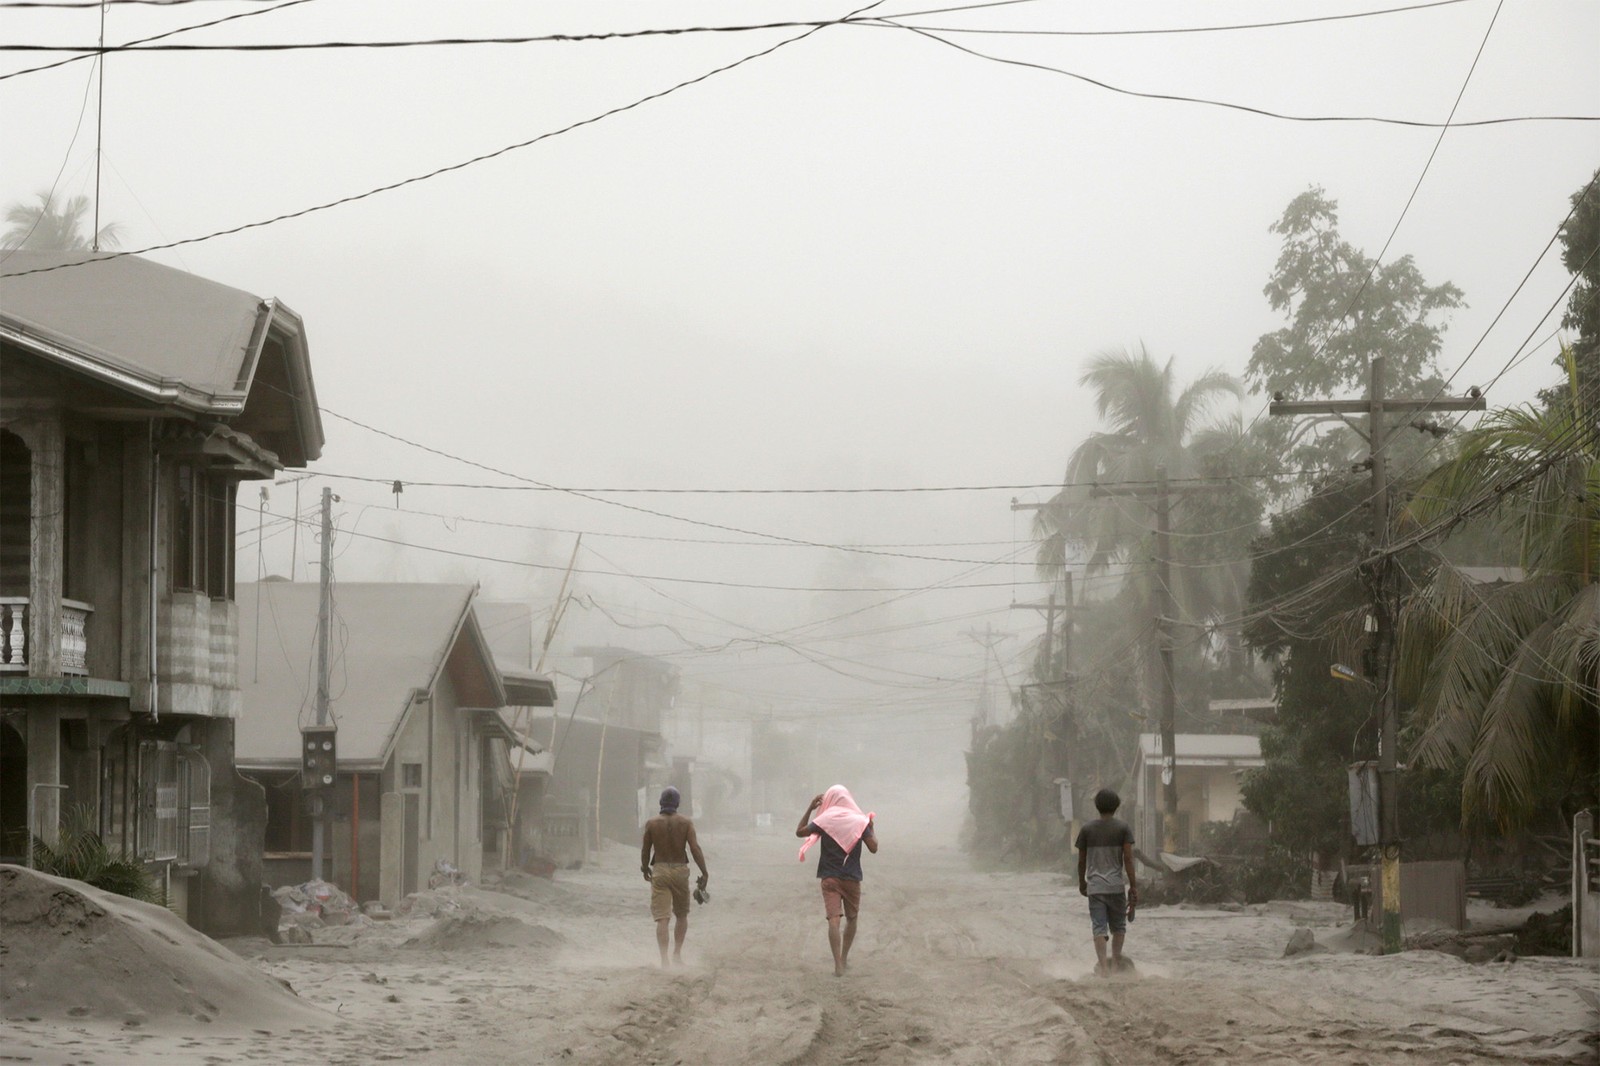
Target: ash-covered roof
{"points": [[164, 335], [390, 643]]}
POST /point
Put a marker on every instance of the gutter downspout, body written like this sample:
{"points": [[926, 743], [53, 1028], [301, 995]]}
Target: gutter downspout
{"points": [[155, 556]]}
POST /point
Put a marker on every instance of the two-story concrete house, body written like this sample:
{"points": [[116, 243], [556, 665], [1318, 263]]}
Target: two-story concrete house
{"points": [[134, 399]]}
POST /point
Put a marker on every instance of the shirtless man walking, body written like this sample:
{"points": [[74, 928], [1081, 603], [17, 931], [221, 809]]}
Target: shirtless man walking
{"points": [[665, 864]]}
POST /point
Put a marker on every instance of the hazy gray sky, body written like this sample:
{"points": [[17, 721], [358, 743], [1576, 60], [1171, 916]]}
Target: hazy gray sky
{"points": [[866, 259]]}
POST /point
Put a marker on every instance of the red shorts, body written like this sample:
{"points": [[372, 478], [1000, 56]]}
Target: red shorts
{"points": [[839, 895]]}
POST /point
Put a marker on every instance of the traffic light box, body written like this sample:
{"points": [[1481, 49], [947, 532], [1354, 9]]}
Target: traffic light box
{"points": [[319, 756]]}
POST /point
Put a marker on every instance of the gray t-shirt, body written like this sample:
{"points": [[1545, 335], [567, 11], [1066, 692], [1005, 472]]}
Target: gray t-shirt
{"points": [[1101, 840]]}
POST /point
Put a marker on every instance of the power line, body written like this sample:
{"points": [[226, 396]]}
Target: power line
{"points": [[602, 500], [437, 172], [681, 580], [155, 37], [1422, 457], [1174, 30], [1246, 108], [1576, 203], [1426, 166], [66, 157], [669, 540], [878, 21], [94, 5], [870, 490]]}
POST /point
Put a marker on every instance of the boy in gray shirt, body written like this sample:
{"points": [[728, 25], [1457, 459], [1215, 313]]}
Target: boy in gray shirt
{"points": [[1105, 875]]}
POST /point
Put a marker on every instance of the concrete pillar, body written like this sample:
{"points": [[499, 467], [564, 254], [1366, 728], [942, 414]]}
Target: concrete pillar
{"points": [[137, 623], [43, 737], [391, 848], [230, 882], [47, 482]]}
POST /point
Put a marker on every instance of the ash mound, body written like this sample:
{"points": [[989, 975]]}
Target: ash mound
{"points": [[70, 950], [478, 931]]}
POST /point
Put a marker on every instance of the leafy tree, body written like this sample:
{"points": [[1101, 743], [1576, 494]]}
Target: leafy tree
{"points": [[1338, 318], [1506, 677], [1322, 724], [1305, 589], [1088, 730], [45, 226], [1580, 253]]}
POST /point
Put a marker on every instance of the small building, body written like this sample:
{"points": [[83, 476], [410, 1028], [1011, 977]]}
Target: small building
{"points": [[523, 822], [509, 627], [423, 748], [609, 756], [1207, 770], [137, 398]]}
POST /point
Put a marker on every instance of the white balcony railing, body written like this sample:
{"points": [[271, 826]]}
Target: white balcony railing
{"points": [[14, 612]]}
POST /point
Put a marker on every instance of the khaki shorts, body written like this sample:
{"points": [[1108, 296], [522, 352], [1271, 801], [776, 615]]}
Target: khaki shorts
{"points": [[669, 890], [839, 894]]}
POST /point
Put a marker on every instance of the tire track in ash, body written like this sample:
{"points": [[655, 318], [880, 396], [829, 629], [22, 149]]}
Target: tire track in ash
{"points": [[925, 986], [1187, 1021]]}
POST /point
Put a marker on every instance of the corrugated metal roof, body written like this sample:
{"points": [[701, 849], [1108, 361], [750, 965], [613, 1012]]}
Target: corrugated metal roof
{"points": [[139, 316], [389, 642], [163, 334]]}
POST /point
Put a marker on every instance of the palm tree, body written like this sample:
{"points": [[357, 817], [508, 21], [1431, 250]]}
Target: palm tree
{"points": [[1505, 676], [43, 226], [1149, 424]]}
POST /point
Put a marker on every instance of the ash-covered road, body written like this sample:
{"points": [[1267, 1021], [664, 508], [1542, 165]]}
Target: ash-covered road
{"points": [[952, 965]]}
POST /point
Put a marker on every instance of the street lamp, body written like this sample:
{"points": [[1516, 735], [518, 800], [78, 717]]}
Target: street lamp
{"points": [[1341, 672]]}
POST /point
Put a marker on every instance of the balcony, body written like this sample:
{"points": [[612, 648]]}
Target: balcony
{"points": [[74, 636]]}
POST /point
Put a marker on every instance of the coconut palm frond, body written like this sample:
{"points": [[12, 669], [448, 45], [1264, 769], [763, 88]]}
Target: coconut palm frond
{"points": [[1509, 755], [1200, 398], [1467, 671], [1573, 656], [52, 226], [1427, 619]]}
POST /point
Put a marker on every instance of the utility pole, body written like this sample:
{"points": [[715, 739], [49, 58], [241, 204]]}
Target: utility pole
{"points": [[1166, 620], [1169, 685], [1057, 689], [319, 812], [1380, 578], [987, 640]]}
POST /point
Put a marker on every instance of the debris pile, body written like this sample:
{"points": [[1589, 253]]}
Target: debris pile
{"points": [[475, 930], [315, 905], [431, 903]]}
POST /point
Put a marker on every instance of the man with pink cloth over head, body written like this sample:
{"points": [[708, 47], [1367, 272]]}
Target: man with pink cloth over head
{"points": [[843, 829]]}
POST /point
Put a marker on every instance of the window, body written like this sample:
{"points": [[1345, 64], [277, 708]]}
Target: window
{"points": [[184, 548], [220, 496], [411, 775], [202, 532]]}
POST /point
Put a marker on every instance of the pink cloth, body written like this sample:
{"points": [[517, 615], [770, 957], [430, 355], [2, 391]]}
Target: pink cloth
{"points": [[840, 818]]}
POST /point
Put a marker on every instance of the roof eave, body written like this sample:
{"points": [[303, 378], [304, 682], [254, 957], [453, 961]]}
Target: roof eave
{"points": [[291, 330], [264, 765], [96, 365]]}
